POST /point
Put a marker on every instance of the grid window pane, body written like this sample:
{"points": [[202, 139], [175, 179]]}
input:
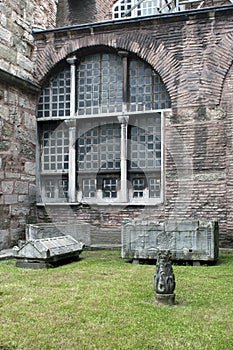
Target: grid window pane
{"points": [[89, 188], [155, 187], [100, 82], [63, 188], [54, 100], [55, 154], [55, 189], [136, 8], [50, 189], [99, 148], [145, 143], [147, 91], [110, 188], [138, 187]]}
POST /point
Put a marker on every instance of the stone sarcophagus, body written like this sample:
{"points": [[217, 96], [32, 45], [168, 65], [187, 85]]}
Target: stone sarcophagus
{"points": [[187, 240], [79, 231], [46, 252]]}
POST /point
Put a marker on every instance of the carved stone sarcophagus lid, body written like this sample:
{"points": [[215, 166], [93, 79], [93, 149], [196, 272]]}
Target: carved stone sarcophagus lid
{"points": [[40, 253]]}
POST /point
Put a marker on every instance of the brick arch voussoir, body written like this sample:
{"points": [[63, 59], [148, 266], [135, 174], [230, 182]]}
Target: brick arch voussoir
{"points": [[144, 46], [227, 54], [219, 61]]}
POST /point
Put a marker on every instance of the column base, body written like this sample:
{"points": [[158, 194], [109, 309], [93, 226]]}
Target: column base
{"points": [[165, 299]]}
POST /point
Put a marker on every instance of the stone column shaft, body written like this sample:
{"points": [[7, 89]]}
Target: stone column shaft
{"points": [[124, 132]]}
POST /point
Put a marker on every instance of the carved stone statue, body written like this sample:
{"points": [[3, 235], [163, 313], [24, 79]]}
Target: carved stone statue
{"points": [[164, 279]]}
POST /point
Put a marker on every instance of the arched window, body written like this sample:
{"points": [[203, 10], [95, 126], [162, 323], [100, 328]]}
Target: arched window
{"points": [[100, 125], [137, 8]]}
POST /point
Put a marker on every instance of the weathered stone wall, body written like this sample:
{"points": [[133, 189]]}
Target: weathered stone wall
{"points": [[45, 13], [17, 112], [17, 162], [16, 40]]}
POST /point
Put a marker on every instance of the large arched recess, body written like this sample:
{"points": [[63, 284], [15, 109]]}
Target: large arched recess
{"points": [[153, 52]]}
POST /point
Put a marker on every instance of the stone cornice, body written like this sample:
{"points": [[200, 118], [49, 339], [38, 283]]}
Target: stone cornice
{"points": [[25, 85]]}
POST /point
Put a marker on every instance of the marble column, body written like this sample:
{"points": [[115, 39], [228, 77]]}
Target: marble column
{"points": [[124, 131]]}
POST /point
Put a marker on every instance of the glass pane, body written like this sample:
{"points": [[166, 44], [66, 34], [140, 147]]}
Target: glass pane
{"points": [[89, 188], [110, 188], [99, 145], [55, 153], [147, 91], [102, 83], [56, 91], [145, 144]]}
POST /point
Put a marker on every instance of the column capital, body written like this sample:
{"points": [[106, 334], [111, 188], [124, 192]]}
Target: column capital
{"points": [[123, 119], [71, 60], [71, 123], [123, 53]]}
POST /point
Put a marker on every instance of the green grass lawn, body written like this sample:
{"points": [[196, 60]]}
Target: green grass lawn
{"points": [[103, 302]]}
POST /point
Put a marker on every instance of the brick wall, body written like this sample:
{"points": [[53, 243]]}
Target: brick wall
{"points": [[76, 12], [193, 54]]}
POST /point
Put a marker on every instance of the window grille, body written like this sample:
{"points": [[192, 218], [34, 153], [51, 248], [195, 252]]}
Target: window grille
{"points": [[100, 81], [89, 188], [63, 188], [55, 152], [104, 143], [99, 148], [100, 89], [110, 188], [137, 8], [49, 188], [145, 143], [55, 98], [154, 187], [147, 91], [138, 187], [54, 189]]}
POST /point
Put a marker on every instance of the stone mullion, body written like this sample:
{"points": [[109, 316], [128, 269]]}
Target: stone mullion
{"points": [[72, 62], [124, 128], [124, 132], [71, 123], [72, 161]]}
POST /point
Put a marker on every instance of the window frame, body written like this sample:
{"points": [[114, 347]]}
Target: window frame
{"points": [[77, 178], [123, 9]]}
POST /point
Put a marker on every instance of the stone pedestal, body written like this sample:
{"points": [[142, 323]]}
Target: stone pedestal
{"points": [[165, 299], [164, 279]]}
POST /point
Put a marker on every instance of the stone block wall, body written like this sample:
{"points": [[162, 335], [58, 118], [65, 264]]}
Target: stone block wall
{"points": [[18, 99], [16, 40], [17, 162], [45, 13]]}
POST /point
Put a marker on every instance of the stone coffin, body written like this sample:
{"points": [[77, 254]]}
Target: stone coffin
{"points": [[43, 253], [187, 240], [80, 231]]}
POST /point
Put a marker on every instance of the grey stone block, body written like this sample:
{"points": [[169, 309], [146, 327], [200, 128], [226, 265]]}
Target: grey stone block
{"points": [[188, 240]]}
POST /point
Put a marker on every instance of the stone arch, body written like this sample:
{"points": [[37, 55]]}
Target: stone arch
{"points": [[153, 52]]}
